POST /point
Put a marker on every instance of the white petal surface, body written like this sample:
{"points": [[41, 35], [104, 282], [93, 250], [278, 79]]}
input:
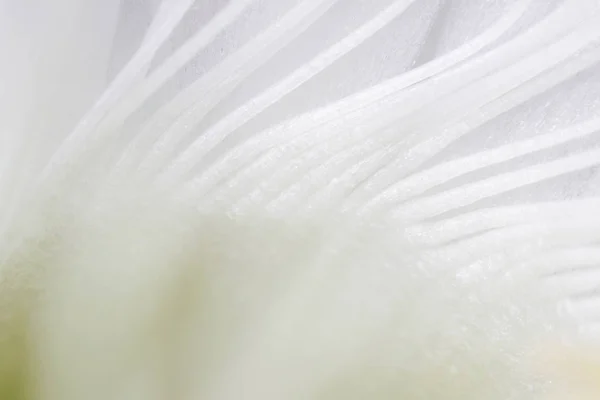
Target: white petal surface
{"points": [[298, 199]]}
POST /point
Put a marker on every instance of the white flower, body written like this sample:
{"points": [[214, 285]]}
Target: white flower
{"points": [[299, 199]]}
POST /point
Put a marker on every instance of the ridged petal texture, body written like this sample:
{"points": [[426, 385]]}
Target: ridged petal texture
{"points": [[299, 199]]}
